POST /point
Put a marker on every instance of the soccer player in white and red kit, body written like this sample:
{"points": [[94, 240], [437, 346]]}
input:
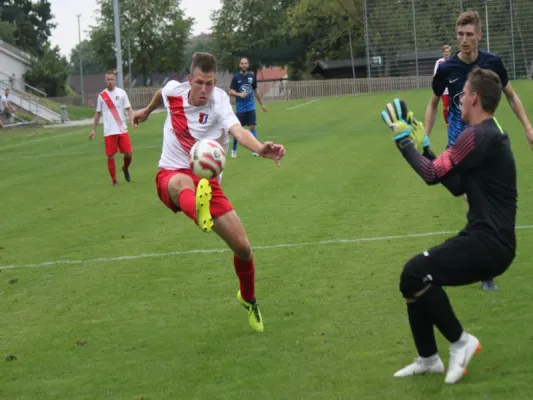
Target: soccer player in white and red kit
{"points": [[446, 53], [112, 102], [197, 109]]}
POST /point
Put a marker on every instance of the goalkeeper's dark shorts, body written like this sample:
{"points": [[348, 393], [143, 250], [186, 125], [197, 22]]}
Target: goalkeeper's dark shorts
{"points": [[461, 260]]}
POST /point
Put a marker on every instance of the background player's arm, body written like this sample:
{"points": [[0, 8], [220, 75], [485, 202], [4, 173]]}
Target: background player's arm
{"points": [[516, 105], [97, 115], [438, 85], [127, 107], [466, 154], [431, 113], [258, 95], [233, 89], [96, 120]]}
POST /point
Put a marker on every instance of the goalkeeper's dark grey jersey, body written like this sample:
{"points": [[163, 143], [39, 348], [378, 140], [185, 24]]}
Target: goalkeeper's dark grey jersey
{"points": [[480, 164]]}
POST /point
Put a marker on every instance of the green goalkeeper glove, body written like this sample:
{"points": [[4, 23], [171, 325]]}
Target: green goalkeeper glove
{"points": [[403, 124], [418, 135], [393, 116]]}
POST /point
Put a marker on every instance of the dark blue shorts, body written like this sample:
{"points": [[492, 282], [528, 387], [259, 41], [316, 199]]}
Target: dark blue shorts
{"points": [[247, 118]]}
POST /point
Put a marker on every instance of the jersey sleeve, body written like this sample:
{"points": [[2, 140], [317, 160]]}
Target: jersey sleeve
{"points": [[467, 153], [436, 67], [254, 82], [126, 100], [439, 82], [501, 71], [167, 90], [227, 117], [99, 104], [234, 85]]}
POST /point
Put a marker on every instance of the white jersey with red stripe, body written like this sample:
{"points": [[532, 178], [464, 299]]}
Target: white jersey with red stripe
{"points": [[439, 61], [186, 124], [112, 105]]}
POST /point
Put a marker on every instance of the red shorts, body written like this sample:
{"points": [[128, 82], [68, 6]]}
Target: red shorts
{"points": [[117, 144], [220, 204]]}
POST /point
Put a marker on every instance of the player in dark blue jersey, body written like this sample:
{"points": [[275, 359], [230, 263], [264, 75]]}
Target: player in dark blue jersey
{"points": [[243, 87], [452, 74]]}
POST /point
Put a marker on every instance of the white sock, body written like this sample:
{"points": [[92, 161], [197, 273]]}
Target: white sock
{"points": [[461, 342], [431, 359]]}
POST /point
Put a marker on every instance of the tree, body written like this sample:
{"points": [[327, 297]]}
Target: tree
{"points": [[92, 62], [325, 28], [32, 22], [49, 72], [248, 24], [201, 43], [7, 32], [157, 31]]}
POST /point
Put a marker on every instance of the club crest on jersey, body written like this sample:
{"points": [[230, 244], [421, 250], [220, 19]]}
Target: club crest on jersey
{"points": [[203, 118], [250, 80], [117, 98]]}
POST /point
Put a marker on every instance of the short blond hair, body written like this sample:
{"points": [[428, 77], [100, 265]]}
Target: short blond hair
{"points": [[446, 47], [469, 18]]}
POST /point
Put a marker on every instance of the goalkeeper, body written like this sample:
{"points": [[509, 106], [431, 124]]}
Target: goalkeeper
{"points": [[481, 164]]}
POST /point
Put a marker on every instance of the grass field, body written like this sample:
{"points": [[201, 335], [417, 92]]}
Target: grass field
{"points": [[106, 294]]}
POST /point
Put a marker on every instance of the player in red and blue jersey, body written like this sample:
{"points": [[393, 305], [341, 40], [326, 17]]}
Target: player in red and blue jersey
{"points": [[243, 87], [452, 74]]}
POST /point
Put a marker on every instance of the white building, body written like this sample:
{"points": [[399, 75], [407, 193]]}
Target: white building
{"points": [[13, 64]]}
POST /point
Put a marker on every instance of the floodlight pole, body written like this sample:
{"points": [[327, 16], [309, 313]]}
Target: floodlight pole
{"points": [[81, 63], [120, 79]]}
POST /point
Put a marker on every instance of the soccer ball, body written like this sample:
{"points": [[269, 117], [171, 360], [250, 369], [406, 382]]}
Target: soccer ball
{"points": [[207, 158]]}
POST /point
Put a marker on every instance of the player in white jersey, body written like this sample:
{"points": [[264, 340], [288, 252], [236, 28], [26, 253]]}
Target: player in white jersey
{"points": [[196, 110], [446, 53], [112, 103]]}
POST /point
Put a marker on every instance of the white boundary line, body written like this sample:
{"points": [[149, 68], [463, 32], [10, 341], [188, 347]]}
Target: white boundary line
{"points": [[221, 250], [304, 104]]}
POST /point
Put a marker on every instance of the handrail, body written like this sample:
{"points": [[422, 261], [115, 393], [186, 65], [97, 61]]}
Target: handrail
{"points": [[24, 84]]}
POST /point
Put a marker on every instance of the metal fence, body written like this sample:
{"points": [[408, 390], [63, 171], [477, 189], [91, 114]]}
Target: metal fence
{"points": [[398, 43], [404, 37]]}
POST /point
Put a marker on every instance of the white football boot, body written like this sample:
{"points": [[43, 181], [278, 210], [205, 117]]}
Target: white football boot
{"points": [[461, 353], [422, 366]]}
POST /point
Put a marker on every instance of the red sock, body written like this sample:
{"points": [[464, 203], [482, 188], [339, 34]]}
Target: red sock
{"points": [[112, 169], [246, 272], [187, 203], [127, 162]]}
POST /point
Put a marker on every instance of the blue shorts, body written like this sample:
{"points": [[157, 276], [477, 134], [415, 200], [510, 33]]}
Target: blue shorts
{"points": [[247, 118]]}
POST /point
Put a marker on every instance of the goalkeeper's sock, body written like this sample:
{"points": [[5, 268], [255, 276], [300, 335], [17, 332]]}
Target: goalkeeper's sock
{"points": [[112, 169], [187, 203], [422, 330], [246, 272], [437, 308], [254, 133]]}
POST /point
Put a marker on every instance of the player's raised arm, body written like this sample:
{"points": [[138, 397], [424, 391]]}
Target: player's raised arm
{"points": [[267, 149], [142, 115]]}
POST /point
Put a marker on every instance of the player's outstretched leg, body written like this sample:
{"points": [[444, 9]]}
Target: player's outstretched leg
{"points": [[231, 230], [195, 203], [203, 205]]}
